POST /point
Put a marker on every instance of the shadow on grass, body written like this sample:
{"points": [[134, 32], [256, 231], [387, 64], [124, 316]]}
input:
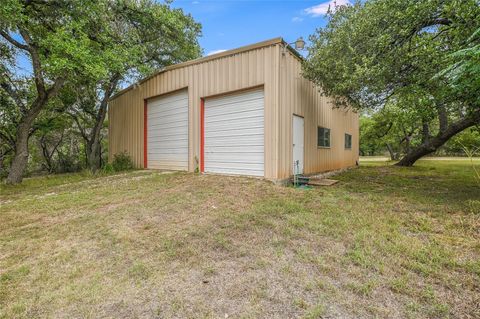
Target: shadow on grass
{"points": [[449, 183]]}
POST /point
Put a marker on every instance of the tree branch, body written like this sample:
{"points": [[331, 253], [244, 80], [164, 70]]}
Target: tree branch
{"points": [[80, 128], [57, 85], [425, 132], [441, 138], [36, 65], [386, 131], [12, 41], [437, 21], [442, 118], [8, 138], [12, 91]]}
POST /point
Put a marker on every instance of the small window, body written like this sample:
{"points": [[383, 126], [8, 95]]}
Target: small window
{"points": [[348, 141], [323, 137]]}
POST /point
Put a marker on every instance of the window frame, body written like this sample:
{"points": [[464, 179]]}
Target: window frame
{"points": [[350, 141], [325, 130]]}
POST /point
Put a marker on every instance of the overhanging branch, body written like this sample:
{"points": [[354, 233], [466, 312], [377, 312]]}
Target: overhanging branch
{"points": [[12, 41]]}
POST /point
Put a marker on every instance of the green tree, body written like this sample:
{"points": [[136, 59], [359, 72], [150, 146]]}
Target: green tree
{"points": [[369, 141], [421, 56], [470, 139], [8, 118], [55, 38], [49, 135], [91, 41], [146, 37], [393, 129]]}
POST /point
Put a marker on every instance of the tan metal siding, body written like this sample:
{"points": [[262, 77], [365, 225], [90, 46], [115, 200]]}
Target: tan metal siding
{"points": [[286, 93], [299, 96], [212, 77]]}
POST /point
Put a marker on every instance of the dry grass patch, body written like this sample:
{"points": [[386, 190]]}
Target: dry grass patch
{"points": [[384, 242]]}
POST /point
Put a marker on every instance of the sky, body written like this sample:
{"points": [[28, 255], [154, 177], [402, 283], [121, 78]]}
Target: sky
{"points": [[231, 24]]}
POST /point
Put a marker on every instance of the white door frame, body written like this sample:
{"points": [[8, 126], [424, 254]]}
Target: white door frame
{"points": [[302, 163]]}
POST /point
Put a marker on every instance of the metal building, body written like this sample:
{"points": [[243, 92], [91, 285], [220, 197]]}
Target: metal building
{"points": [[246, 111]]}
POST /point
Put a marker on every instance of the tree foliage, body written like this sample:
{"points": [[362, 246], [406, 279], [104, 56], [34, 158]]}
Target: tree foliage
{"points": [[151, 36], [418, 57], [392, 129], [83, 51], [392, 132]]}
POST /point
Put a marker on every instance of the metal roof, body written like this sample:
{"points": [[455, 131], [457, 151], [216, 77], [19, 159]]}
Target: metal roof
{"points": [[274, 41]]}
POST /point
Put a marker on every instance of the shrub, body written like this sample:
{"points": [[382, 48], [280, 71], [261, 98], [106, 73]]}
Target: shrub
{"points": [[122, 162], [108, 168]]}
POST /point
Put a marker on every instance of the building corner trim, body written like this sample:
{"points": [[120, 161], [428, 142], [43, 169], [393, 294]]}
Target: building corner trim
{"points": [[145, 159]]}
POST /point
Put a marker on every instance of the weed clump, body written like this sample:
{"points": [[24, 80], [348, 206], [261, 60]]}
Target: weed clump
{"points": [[121, 162]]}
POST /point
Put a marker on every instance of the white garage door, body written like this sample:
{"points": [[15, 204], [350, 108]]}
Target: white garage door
{"points": [[234, 134], [167, 132]]}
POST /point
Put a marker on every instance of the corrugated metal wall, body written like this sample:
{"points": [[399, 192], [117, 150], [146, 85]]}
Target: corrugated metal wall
{"points": [[299, 96], [258, 67], [286, 93]]}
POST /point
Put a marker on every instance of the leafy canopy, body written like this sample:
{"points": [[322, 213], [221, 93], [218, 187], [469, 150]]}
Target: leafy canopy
{"points": [[96, 38], [89, 45], [415, 53]]}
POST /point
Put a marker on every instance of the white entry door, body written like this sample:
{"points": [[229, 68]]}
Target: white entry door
{"points": [[234, 134], [298, 138]]}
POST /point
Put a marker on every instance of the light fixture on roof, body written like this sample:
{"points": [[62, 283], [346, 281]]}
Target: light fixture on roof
{"points": [[299, 44]]}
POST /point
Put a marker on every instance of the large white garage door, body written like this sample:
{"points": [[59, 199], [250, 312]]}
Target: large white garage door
{"points": [[167, 132], [234, 134]]}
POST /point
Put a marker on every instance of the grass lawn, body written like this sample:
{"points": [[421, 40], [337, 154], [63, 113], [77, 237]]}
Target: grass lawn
{"points": [[385, 242]]}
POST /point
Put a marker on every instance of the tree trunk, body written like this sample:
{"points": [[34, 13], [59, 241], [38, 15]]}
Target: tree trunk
{"points": [[20, 158], [2, 165], [93, 148], [393, 157], [434, 143], [442, 118], [425, 132], [19, 162], [94, 154], [47, 154]]}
